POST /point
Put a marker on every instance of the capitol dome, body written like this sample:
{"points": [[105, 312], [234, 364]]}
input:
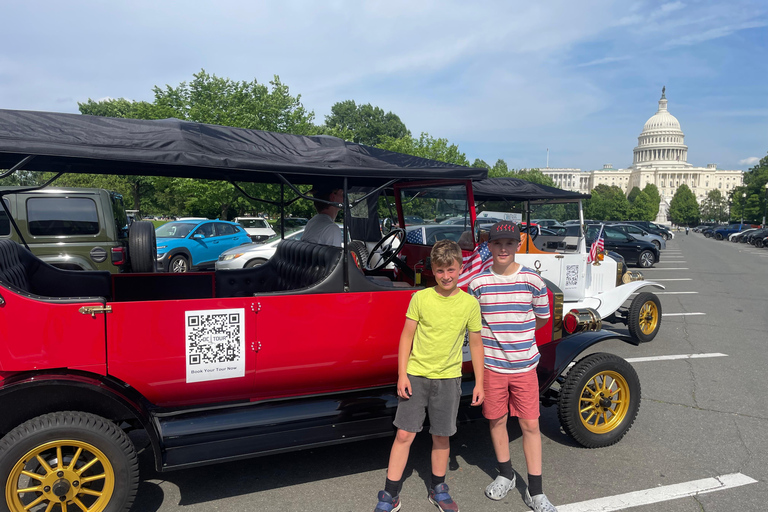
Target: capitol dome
{"points": [[661, 141]]}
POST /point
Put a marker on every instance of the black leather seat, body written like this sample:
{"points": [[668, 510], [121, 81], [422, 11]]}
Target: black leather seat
{"points": [[296, 265], [25, 273]]}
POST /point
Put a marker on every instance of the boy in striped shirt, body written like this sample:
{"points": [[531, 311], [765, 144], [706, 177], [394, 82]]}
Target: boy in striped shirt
{"points": [[514, 303]]}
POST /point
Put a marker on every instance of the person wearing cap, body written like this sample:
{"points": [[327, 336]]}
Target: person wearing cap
{"points": [[514, 304], [322, 228]]}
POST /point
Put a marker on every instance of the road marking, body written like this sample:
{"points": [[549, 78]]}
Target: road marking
{"points": [[667, 293], [676, 279], [674, 357], [676, 268], [659, 494], [681, 314]]}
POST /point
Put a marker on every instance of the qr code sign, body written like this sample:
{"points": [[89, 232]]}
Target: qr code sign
{"points": [[571, 276], [215, 346]]}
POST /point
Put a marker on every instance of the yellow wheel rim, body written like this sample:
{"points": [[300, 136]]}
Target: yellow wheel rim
{"points": [[604, 402], [61, 476], [649, 317]]}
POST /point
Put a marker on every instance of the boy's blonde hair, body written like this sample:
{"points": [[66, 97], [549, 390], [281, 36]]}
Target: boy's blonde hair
{"points": [[444, 253]]}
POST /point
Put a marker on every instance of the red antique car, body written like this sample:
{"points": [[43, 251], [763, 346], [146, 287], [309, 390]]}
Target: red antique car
{"points": [[219, 366]]}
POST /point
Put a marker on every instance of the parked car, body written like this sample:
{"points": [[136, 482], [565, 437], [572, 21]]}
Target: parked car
{"points": [[636, 231], [78, 229], [641, 253], [257, 227], [737, 237], [652, 228], [291, 223], [185, 245], [755, 236], [213, 367], [722, 232], [546, 222], [255, 254], [428, 234]]}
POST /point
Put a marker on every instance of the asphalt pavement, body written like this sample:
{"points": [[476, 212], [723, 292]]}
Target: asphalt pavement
{"points": [[699, 442]]}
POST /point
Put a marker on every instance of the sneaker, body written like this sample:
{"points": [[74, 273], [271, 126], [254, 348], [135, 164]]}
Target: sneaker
{"points": [[538, 503], [387, 503], [499, 488], [441, 499]]}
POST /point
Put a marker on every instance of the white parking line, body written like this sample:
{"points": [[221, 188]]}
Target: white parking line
{"points": [[674, 357], [676, 268], [682, 314], [676, 279], [659, 494], [675, 293]]}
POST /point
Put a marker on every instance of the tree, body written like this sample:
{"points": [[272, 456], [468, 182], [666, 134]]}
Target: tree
{"points": [[754, 180], [684, 209], [426, 146], [481, 163], [499, 170], [653, 193], [535, 176], [714, 207], [643, 207], [368, 124], [633, 194], [607, 203]]}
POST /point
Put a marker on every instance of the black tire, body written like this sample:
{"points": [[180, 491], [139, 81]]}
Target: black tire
{"points": [[73, 433], [759, 244], [359, 252], [644, 317], [646, 259], [718, 236], [178, 264], [142, 247], [255, 263], [584, 413]]}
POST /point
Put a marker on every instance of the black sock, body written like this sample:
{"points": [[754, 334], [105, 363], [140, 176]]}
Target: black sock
{"points": [[393, 486], [505, 470], [534, 485], [437, 480]]}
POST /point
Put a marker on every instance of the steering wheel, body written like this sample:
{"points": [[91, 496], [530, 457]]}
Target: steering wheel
{"points": [[531, 231], [385, 250]]}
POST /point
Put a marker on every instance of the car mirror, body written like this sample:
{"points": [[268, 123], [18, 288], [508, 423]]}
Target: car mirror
{"points": [[630, 238], [386, 226], [645, 234], [198, 236]]}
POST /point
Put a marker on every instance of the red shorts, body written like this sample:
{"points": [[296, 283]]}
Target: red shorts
{"points": [[516, 393]]}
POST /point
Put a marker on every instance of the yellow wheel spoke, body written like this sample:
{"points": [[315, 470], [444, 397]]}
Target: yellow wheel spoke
{"points": [[89, 492], [30, 489], [605, 417], [79, 504], [74, 459], [50, 506], [587, 388], [45, 465], [63, 506], [34, 503], [87, 465], [589, 407], [93, 478], [30, 474], [59, 461], [586, 420]]}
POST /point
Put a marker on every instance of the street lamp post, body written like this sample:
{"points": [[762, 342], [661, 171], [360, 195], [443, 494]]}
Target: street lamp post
{"points": [[765, 208], [743, 202]]}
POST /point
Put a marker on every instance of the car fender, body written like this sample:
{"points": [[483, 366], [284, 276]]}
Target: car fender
{"points": [[70, 259], [608, 302], [555, 357], [180, 250]]}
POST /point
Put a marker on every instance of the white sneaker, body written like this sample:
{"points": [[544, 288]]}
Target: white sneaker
{"points": [[499, 488], [538, 503]]}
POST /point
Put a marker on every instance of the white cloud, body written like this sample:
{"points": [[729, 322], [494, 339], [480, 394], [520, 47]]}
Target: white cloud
{"points": [[752, 160]]}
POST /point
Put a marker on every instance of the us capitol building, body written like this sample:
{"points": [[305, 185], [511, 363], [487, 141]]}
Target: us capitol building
{"points": [[661, 158]]}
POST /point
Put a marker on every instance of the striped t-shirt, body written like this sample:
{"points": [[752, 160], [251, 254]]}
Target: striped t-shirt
{"points": [[510, 305]]}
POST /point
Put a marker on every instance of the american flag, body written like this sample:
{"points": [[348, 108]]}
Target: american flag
{"points": [[597, 245], [415, 236], [472, 265]]}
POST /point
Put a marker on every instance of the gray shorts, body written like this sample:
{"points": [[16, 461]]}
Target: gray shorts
{"points": [[438, 397]]}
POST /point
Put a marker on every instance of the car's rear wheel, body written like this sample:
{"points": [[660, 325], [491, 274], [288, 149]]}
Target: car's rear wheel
{"points": [[644, 317], [142, 247], [646, 259], [68, 461], [255, 263], [599, 400], [178, 264], [718, 236]]}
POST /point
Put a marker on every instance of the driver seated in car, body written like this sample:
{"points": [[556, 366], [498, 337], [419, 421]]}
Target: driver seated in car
{"points": [[322, 228]]}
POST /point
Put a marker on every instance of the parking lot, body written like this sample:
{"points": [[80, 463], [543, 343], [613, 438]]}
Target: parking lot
{"points": [[698, 442]]}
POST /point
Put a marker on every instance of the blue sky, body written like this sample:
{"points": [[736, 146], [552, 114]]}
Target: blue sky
{"points": [[501, 79]]}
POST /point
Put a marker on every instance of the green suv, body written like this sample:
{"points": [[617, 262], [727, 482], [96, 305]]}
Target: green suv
{"points": [[77, 229]]}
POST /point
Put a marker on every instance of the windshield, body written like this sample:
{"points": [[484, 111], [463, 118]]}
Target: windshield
{"points": [[174, 230], [253, 223], [426, 208]]}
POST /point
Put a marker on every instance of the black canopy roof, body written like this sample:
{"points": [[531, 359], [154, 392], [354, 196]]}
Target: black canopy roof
{"points": [[170, 147], [515, 189]]}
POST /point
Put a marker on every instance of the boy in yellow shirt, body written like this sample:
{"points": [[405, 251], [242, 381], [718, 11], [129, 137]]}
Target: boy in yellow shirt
{"points": [[429, 374]]}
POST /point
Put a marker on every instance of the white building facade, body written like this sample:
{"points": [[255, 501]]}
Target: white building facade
{"points": [[661, 158]]}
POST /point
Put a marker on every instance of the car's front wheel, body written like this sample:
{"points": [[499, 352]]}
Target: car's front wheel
{"points": [[599, 400], [255, 263], [644, 317], [657, 244], [178, 264], [68, 461], [646, 259]]}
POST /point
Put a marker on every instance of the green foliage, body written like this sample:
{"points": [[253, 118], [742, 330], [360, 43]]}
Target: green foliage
{"points": [[426, 146], [714, 208], [535, 176], [607, 203], [754, 186], [368, 124], [481, 163], [683, 209], [643, 207], [499, 170], [633, 194]]}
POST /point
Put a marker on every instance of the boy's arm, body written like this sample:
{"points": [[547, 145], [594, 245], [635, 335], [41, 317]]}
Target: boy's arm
{"points": [[476, 351], [541, 322], [404, 389]]}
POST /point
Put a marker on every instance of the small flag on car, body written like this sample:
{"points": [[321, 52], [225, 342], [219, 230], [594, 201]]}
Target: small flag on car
{"points": [[597, 246]]}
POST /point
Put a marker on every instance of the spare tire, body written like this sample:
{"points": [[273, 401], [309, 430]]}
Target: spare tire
{"points": [[142, 247]]}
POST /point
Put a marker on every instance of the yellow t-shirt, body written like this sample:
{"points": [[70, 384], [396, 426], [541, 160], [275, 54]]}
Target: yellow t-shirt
{"points": [[443, 321]]}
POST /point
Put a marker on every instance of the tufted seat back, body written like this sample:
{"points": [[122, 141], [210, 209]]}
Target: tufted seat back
{"points": [[295, 265], [12, 270]]}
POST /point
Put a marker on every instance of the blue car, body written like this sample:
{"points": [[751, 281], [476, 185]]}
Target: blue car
{"points": [[186, 245]]}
